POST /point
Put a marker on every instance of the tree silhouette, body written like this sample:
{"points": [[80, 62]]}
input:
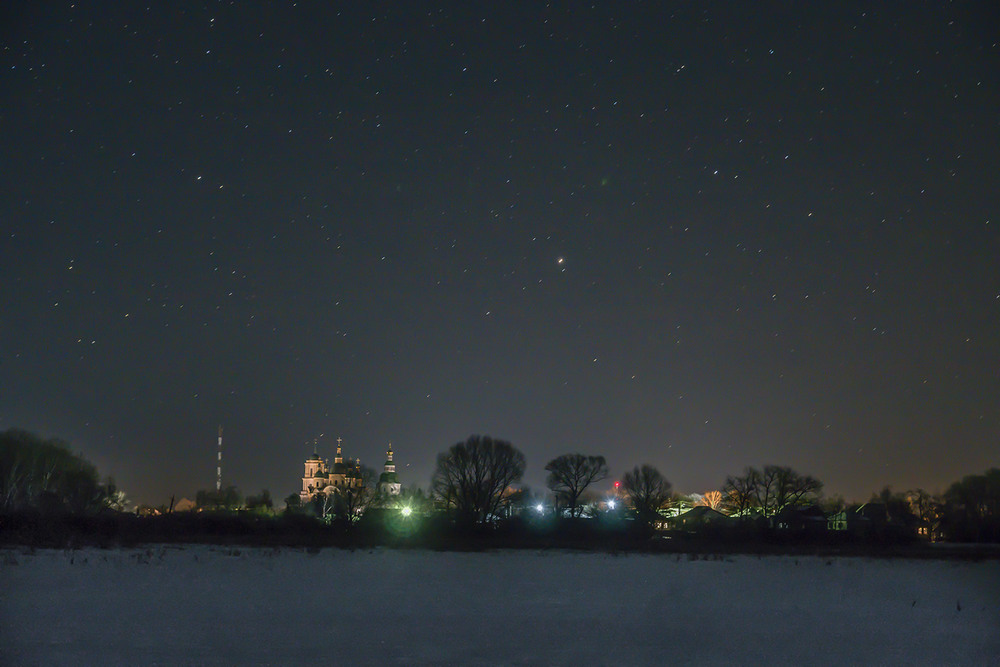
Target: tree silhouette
{"points": [[35, 472], [927, 509], [260, 502], [711, 499], [293, 502], [647, 490], [322, 504], [739, 492], [471, 477], [571, 474], [113, 497], [769, 490], [972, 508], [226, 498], [790, 488], [354, 500]]}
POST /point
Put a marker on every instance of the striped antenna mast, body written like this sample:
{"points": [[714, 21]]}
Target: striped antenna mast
{"points": [[218, 469]]}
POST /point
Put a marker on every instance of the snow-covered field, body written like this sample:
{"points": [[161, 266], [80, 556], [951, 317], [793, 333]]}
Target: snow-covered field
{"points": [[234, 606]]}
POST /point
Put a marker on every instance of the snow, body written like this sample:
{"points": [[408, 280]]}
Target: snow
{"points": [[225, 606]]}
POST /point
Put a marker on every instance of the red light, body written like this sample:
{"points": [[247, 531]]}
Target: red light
{"points": [[617, 484]]}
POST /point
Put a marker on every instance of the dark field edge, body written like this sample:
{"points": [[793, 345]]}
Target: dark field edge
{"points": [[437, 533]]}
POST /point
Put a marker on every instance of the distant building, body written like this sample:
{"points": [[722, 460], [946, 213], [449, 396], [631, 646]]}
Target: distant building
{"points": [[700, 517], [321, 477], [388, 482], [873, 520], [185, 505], [808, 519]]}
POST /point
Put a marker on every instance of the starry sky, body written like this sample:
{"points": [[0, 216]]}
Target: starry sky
{"points": [[697, 235]]}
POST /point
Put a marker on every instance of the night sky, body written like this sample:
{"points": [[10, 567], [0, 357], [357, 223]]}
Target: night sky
{"points": [[697, 235]]}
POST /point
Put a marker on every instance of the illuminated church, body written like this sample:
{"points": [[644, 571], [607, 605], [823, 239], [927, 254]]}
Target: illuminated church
{"points": [[320, 476], [388, 482]]}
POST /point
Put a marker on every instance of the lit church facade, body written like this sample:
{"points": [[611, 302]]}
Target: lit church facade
{"points": [[321, 477], [388, 482]]}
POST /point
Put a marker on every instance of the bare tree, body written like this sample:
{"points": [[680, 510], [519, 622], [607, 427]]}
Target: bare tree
{"points": [[354, 500], [33, 470], [711, 499], [739, 492], [571, 474], [769, 490], [927, 509], [971, 509], [293, 503], [647, 490], [765, 489], [323, 504], [228, 497], [113, 497], [791, 488], [471, 477]]}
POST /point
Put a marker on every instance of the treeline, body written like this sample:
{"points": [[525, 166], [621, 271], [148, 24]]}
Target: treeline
{"points": [[614, 532], [969, 511], [48, 492], [44, 475], [473, 481]]}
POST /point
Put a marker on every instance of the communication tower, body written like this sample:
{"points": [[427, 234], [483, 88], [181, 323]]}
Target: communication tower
{"points": [[218, 469]]}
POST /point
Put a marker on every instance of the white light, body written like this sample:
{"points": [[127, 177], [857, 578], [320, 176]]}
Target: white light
{"points": [[539, 508], [611, 504], [407, 511]]}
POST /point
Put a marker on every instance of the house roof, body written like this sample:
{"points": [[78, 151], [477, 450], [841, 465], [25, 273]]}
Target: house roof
{"points": [[702, 513], [803, 512]]}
